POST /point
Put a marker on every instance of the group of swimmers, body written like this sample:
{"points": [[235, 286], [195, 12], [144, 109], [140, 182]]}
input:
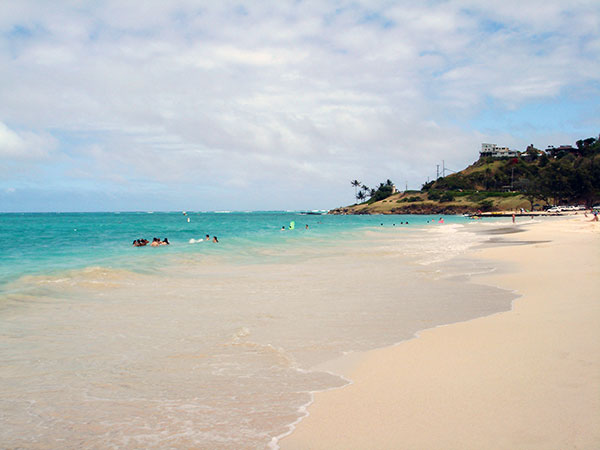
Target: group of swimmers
{"points": [[155, 242]]}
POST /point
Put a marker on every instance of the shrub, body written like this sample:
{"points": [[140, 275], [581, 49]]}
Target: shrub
{"points": [[433, 195], [447, 197], [486, 205]]}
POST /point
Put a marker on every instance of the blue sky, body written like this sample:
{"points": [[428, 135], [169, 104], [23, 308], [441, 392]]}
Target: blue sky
{"points": [[186, 105]]}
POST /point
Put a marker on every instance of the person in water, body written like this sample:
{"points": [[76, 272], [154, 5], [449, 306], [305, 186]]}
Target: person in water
{"points": [[155, 242], [215, 239], [207, 237], [165, 242]]}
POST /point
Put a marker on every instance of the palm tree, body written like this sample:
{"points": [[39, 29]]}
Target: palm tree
{"points": [[360, 196], [356, 184], [365, 190]]}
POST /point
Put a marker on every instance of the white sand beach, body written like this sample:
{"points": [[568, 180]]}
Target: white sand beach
{"points": [[527, 378]]}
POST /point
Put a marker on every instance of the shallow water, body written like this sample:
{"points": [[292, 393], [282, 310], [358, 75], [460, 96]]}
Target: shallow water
{"points": [[211, 346]]}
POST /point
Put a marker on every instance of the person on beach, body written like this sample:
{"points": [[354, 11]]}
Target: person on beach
{"points": [[513, 218]]}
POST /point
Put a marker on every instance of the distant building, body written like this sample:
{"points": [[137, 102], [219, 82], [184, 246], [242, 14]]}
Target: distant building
{"points": [[556, 151], [494, 151]]}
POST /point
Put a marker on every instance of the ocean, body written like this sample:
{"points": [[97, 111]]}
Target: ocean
{"points": [[210, 345]]}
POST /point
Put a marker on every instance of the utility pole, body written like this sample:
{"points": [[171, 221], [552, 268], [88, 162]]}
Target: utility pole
{"points": [[443, 168], [512, 175], [437, 172]]}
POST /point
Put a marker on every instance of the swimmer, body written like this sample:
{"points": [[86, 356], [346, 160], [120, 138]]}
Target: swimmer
{"points": [[215, 240], [207, 237], [155, 242], [306, 226], [165, 242], [140, 242], [283, 228]]}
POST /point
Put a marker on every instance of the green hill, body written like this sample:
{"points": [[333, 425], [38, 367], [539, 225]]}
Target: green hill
{"points": [[532, 181]]}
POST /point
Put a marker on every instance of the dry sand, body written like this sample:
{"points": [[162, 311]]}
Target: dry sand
{"points": [[525, 379]]}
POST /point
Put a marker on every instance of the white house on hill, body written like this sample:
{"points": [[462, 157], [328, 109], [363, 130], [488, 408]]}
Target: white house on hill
{"points": [[497, 152]]}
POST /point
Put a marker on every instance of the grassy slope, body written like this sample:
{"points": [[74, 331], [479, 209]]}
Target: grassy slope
{"points": [[395, 205]]}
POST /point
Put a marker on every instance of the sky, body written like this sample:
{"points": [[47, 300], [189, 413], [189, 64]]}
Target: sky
{"points": [[277, 105]]}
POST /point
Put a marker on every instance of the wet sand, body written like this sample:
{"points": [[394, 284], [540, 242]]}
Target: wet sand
{"points": [[528, 378]]}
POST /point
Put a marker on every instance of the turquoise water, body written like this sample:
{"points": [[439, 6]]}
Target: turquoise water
{"points": [[204, 345], [38, 243]]}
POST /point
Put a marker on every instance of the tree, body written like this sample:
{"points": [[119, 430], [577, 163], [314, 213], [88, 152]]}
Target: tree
{"points": [[427, 186], [530, 189], [360, 196], [446, 197], [531, 154], [365, 190], [356, 184], [383, 191]]}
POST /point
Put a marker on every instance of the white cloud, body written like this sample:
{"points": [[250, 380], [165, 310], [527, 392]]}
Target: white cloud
{"points": [[23, 146], [277, 92]]}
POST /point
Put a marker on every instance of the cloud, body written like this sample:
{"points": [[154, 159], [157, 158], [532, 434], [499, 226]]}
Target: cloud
{"points": [[182, 98], [23, 146]]}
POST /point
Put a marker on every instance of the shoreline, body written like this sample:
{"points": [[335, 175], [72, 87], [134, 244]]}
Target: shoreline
{"points": [[455, 399]]}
